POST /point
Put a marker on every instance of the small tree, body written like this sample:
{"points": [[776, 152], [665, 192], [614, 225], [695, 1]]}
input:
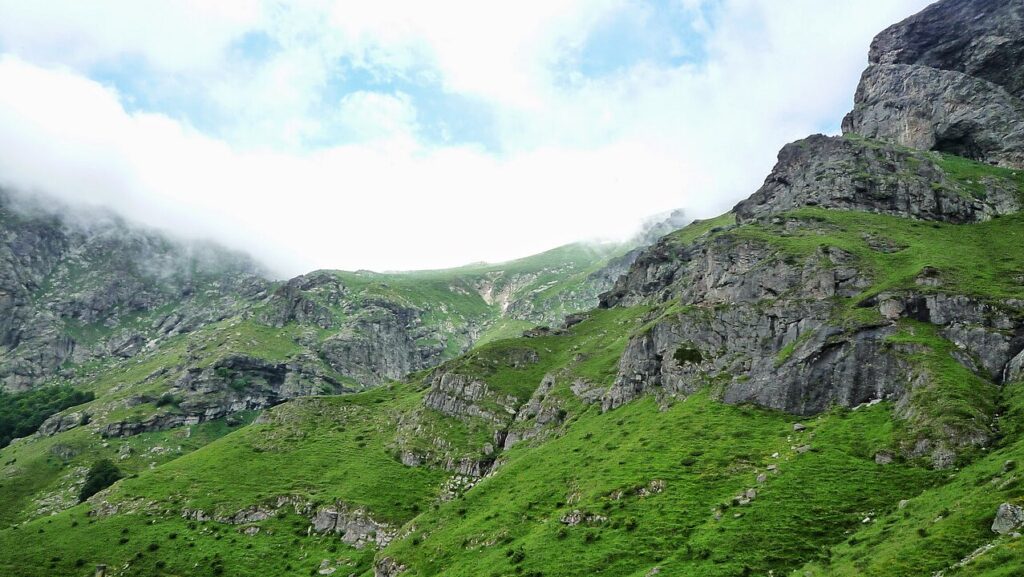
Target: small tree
{"points": [[101, 475]]}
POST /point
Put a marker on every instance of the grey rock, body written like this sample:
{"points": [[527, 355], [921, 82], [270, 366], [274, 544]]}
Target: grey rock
{"points": [[981, 38], [941, 110], [355, 526], [1008, 519], [387, 567], [577, 517], [852, 174], [62, 422], [948, 79]]}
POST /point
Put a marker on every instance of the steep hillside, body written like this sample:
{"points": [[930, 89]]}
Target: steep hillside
{"points": [[121, 333], [828, 380]]}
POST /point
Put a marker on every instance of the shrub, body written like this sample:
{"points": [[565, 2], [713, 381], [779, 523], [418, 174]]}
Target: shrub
{"points": [[166, 399], [101, 475]]}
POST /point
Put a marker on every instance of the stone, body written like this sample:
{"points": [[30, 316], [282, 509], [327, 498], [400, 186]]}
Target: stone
{"points": [[799, 427], [851, 174], [387, 567], [1008, 518], [354, 525], [883, 458], [948, 79], [325, 568], [577, 517]]}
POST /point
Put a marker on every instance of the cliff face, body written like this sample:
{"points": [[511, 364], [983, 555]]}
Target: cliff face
{"points": [[75, 290], [948, 79]]}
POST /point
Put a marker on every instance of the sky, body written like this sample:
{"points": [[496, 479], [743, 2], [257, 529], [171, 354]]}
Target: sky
{"points": [[396, 135]]}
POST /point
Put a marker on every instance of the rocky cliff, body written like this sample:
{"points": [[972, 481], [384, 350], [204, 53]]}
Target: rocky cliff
{"points": [[948, 79], [89, 286]]}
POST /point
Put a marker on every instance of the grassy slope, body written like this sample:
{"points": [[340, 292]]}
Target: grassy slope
{"points": [[805, 506], [41, 466], [828, 511], [942, 525]]}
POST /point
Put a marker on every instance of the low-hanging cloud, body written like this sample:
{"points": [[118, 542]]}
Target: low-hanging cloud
{"points": [[578, 158]]}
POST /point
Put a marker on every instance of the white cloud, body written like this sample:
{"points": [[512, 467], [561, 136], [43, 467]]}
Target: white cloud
{"points": [[369, 115], [387, 205], [173, 35], [579, 159]]}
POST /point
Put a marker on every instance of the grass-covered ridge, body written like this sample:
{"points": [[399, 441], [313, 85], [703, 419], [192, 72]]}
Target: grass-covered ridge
{"points": [[982, 259]]}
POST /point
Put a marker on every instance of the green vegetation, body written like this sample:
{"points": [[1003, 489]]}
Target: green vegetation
{"points": [[944, 525], [699, 228], [976, 175], [21, 414], [688, 485], [657, 502], [981, 259], [101, 475]]}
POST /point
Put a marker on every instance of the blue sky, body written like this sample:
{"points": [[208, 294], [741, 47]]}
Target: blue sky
{"points": [[662, 34], [297, 130]]}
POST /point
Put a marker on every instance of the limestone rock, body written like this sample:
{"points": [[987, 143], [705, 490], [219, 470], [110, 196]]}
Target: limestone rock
{"points": [[948, 79], [852, 174], [1008, 519]]}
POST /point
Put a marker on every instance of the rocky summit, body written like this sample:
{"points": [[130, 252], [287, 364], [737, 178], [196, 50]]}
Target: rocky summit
{"points": [[826, 380]]}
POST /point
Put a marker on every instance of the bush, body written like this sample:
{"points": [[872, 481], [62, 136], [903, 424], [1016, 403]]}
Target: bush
{"points": [[21, 414], [102, 474], [166, 399]]}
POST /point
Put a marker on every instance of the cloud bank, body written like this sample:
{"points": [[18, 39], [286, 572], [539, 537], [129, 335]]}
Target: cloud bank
{"points": [[412, 135]]}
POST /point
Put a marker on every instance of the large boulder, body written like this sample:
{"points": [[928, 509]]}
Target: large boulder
{"points": [[1009, 518]]}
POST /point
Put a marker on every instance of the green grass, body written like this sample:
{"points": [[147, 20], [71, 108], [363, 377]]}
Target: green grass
{"points": [[798, 511], [981, 259], [658, 481], [320, 448], [139, 544], [940, 526], [974, 175], [952, 401], [698, 228]]}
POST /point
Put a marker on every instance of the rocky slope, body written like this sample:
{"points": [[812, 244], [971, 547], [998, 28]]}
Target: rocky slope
{"points": [[80, 288], [165, 336], [828, 380]]}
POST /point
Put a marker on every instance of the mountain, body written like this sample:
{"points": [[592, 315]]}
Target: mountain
{"points": [[827, 380], [160, 334]]}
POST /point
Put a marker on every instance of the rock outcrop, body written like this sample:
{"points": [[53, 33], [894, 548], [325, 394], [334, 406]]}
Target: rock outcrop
{"points": [[1009, 518], [855, 174], [354, 525], [948, 79], [764, 326]]}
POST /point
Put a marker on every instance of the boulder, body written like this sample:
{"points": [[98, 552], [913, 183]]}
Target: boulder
{"points": [[1008, 519]]}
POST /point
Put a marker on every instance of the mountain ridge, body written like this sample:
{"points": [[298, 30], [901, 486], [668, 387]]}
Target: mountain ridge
{"points": [[828, 380]]}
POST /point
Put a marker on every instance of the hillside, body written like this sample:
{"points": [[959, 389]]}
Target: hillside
{"points": [[827, 380], [159, 335]]}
